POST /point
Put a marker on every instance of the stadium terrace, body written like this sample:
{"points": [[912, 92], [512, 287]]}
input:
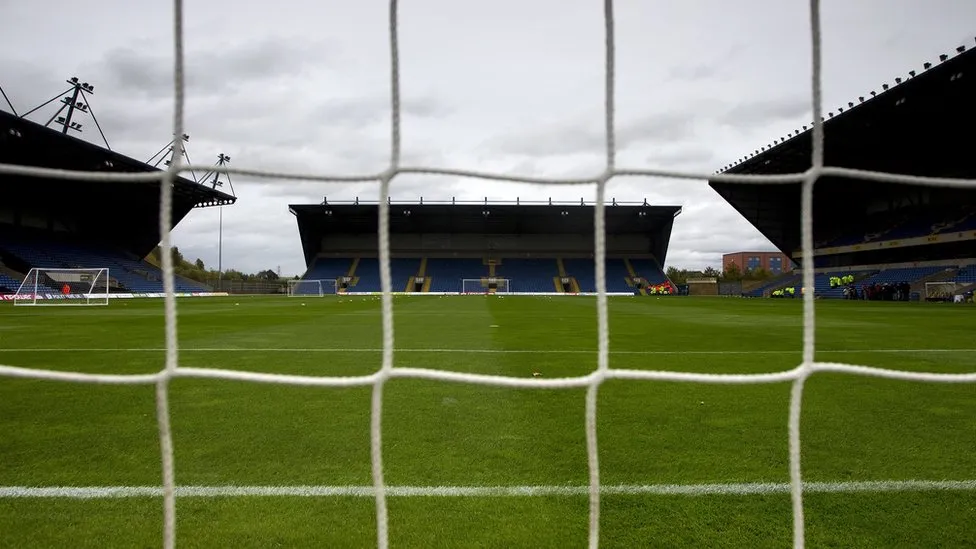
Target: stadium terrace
{"points": [[881, 234], [486, 247]]}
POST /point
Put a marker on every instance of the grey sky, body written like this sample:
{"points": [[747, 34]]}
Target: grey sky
{"points": [[511, 85]]}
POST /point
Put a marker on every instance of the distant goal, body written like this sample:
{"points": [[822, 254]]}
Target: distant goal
{"points": [[942, 291], [59, 287], [487, 285], [311, 288]]}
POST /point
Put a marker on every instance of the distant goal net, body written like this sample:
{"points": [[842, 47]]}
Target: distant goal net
{"points": [[311, 288], [487, 285], [942, 291], [58, 287]]}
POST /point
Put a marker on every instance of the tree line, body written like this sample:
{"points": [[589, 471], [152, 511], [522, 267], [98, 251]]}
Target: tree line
{"points": [[732, 274], [198, 271]]}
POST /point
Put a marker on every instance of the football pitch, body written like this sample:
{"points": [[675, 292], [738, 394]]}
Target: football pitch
{"points": [[888, 463]]}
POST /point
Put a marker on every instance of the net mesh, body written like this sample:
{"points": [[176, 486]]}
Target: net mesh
{"points": [[797, 376]]}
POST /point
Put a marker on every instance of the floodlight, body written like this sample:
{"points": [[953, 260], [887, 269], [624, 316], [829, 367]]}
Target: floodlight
{"points": [[911, 73], [564, 213], [873, 93], [406, 213], [74, 80], [884, 87], [960, 49], [943, 58], [927, 65], [861, 98], [897, 80]]}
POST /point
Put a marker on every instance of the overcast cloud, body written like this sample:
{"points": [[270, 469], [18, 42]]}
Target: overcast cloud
{"points": [[514, 86]]}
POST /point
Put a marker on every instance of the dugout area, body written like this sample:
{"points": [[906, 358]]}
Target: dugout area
{"points": [[486, 247]]}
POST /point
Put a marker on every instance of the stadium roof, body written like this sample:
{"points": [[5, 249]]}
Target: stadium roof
{"points": [[482, 217], [123, 213], [921, 125], [28, 143]]}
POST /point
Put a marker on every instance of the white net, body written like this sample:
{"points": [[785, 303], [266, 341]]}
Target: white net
{"points": [[58, 287], [485, 286], [797, 376], [944, 291], [312, 288]]}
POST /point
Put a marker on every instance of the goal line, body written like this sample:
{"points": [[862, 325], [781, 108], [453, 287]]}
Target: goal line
{"points": [[694, 490]]}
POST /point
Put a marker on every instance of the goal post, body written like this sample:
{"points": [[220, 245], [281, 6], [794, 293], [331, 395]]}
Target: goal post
{"points": [[486, 285], [311, 288], [59, 286], [941, 291]]}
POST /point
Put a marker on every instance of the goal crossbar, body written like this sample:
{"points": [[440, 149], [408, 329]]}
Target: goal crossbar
{"points": [[60, 286], [485, 285]]}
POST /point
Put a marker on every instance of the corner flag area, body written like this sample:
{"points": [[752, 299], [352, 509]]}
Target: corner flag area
{"points": [[886, 462]]}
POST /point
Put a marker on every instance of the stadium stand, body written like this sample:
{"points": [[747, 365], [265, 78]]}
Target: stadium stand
{"points": [[62, 223], [8, 283], [402, 270], [367, 275], [529, 275], [893, 276], [36, 249], [328, 268], [446, 274], [966, 275], [649, 270], [532, 275], [920, 126], [532, 245], [782, 281]]}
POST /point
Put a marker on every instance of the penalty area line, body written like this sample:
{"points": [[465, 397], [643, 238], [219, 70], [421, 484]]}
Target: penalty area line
{"points": [[728, 489]]}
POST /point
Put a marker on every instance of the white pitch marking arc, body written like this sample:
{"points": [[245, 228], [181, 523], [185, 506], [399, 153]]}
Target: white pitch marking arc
{"points": [[465, 351], [718, 489]]}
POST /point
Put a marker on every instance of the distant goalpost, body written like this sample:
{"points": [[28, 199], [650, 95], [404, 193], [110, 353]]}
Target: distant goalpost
{"points": [[942, 291], [488, 285], [311, 288], [53, 287]]}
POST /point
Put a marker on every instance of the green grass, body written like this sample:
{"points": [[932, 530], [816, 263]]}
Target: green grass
{"points": [[449, 434]]}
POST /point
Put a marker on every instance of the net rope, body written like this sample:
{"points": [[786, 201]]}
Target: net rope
{"points": [[387, 371]]}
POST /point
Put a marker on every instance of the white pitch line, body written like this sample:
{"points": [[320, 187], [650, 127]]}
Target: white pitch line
{"points": [[730, 489], [463, 351]]}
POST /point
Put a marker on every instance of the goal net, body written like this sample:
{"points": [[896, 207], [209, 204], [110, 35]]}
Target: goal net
{"points": [[58, 287], [485, 286], [941, 291], [314, 288], [590, 381]]}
